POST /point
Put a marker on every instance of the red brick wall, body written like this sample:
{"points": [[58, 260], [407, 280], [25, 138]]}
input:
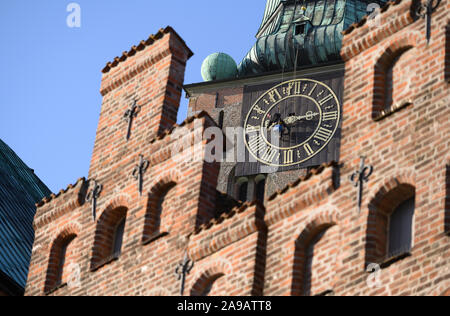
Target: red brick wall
{"points": [[145, 263], [216, 100], [232, 247], [321, 262], [154, 76], [407, 148], [309, 238]]}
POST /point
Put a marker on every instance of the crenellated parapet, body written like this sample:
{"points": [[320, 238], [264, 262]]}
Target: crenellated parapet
{"points": [[57, 205]]}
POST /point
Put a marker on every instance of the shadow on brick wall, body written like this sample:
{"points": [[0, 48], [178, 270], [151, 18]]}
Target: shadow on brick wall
{"points": [[447, 200], [447, 53]]}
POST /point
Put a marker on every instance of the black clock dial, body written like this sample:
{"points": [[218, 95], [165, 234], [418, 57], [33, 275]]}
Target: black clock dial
{"points": [[292, 122]]}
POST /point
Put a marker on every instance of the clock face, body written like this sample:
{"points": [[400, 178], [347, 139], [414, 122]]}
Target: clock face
{"points": [[292, 122]]}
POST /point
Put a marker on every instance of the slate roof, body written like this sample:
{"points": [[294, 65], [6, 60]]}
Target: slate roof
{"points": [[20, 189]]}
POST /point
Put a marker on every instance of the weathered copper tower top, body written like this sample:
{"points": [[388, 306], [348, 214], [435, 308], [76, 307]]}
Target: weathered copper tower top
{"points": [[301, 33]]}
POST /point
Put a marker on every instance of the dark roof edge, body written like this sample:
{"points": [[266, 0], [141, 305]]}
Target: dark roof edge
{"points": [[9, 286], [10, 157]]}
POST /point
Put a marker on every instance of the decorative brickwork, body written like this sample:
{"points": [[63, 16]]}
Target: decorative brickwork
{"points": [[103, 249], [393, 77], [315, 256], [59, 258], [210, 282], [307, 239], [158, 219], [387, 199]]}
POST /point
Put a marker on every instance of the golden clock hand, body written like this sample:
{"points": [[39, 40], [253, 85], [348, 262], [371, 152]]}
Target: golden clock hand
{"points": [[294, 119]]}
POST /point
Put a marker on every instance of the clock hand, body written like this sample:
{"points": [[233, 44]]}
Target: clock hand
{"points": [[294, 119]]}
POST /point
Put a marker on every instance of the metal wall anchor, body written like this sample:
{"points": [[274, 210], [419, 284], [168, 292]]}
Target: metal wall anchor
{"points": [[129, 115], [425, 10], [139, 170], [359, 177], [182, 270], [92, 197]]}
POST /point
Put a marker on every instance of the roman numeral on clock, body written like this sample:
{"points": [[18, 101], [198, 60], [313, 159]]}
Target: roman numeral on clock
{"points": [[273, 95], [326, 99], [297, 88], [313, 89], [288, 157], [269, 154], [252, 129], [258, 110], [308, 150], [256, 144], [323, 134], [330, 116]]}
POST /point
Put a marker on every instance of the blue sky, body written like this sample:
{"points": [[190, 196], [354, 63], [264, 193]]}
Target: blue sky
{"points": [[50, 74]]}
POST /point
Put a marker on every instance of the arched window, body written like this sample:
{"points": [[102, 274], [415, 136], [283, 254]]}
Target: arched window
{"points": [[109, 237], [209, 285], [390, 225], [118, 238], [260, 188], [390, 81], [231, 183], [315, 258], [320, 263], [58, 262], [62, 262], [160, 211], [400, 229], [393, 82], [242, 189]]}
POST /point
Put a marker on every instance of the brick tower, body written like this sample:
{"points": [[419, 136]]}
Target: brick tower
{"points": [[76, 249], [375, 222]]}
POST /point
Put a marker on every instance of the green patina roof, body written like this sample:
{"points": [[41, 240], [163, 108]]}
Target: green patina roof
{"points": [[219, 66], [20, 189], [277, 45], [271, 8]]}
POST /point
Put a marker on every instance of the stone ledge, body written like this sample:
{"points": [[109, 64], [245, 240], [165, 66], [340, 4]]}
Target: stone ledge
{"points": [[379, 116]]}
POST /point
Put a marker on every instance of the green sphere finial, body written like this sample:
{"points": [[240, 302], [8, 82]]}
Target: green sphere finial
{"points": [[219, 66]]}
